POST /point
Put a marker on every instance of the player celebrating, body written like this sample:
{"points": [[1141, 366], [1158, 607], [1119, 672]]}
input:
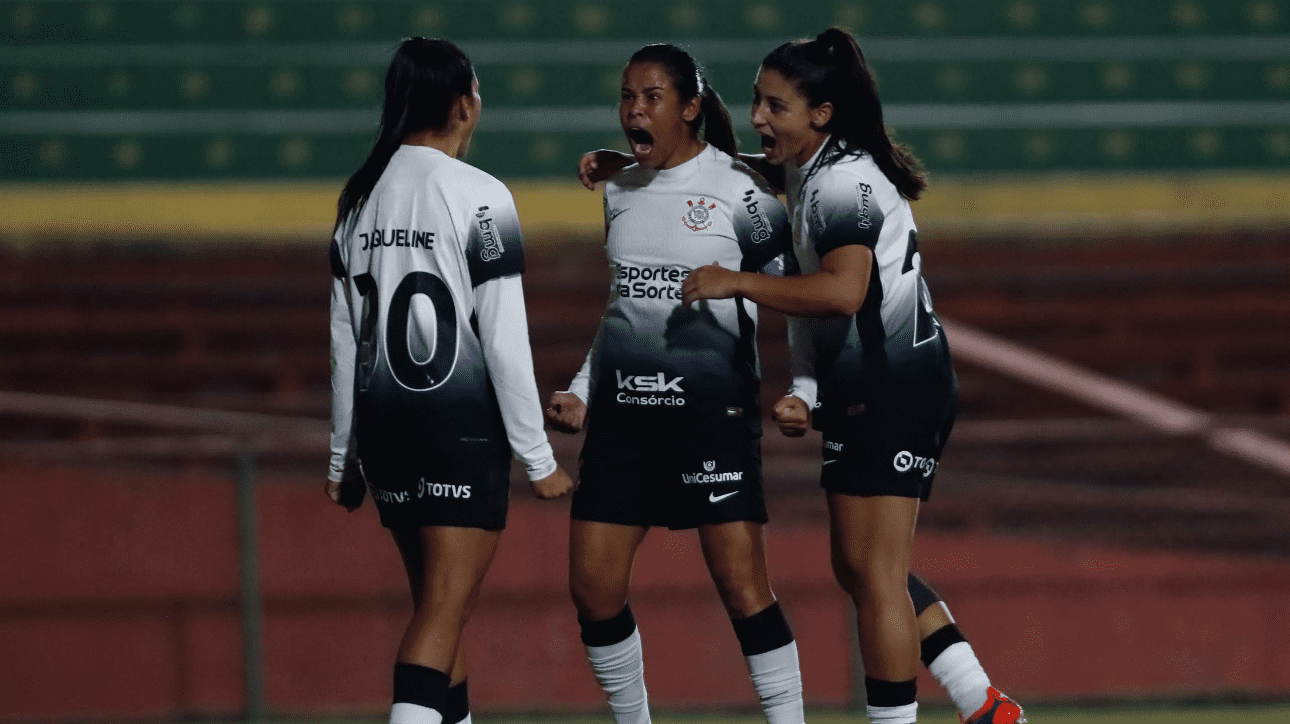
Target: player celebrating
{"points": [[432, 376], [675, 424], [887, 391]]}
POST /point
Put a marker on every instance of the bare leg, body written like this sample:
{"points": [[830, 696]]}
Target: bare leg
{"points": [[445, 567], [600, 572], [736, 557], [871, 541], [601, 556]]}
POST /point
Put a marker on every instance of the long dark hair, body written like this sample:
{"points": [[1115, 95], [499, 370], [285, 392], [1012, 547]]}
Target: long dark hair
{"points": [[425, 77], [687, 76], [831, 69]]}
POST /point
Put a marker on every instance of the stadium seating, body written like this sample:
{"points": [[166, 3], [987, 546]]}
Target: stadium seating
{"points": [[160, 89]]}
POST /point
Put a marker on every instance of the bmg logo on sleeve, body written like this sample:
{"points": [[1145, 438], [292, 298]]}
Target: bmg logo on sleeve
{"points": [[492, 250]]}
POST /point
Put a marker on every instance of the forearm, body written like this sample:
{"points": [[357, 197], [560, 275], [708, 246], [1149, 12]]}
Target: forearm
{"points": [[343, 359], [503, 334], [581, 384], [819, 294], [801, 360]]}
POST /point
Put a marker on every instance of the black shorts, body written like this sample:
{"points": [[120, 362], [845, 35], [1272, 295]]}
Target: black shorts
{"points": [[462, 491], [890, 446], [667, 477]]}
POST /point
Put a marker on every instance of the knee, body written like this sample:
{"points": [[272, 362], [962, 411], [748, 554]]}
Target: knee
{"points": [[744, 591], [593, 599], [870, 577]]}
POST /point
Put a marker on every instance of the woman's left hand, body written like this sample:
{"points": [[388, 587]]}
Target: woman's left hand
{"points": [[709, 282]]}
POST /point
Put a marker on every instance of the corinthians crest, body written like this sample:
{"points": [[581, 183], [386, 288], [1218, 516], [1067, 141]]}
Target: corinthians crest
{"points": [[698, 217]]}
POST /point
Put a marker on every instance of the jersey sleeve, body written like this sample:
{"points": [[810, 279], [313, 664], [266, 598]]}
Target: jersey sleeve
{"points": [[343, 358], [801, 360], [842, 212], [581, 384], [493, 242], [504, 337], [763, 233]]}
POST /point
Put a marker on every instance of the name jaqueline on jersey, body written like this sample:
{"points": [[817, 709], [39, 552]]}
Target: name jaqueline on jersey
{"points": [[397, 237]]}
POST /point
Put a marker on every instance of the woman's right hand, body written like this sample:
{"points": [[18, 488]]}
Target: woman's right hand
{"points": [[348, 492], [566, 412], [791, 415], [553, 486], [599, 165]]}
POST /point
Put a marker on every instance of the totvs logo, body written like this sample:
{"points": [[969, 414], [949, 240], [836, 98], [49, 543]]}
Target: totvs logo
{"points": [[905, 460]]}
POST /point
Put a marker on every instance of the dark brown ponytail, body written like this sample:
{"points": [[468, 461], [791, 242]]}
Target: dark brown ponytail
{"points": [[832, 69], [425, 77]]}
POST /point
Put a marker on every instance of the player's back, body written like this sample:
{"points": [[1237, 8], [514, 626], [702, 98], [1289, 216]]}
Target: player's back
{"points": [[432, 229]]}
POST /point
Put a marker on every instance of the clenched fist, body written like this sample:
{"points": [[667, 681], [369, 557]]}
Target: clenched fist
{"points": [[791, 415], [566, 412]]}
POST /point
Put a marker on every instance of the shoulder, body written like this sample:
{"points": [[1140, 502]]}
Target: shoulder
{"points": [[856, 174], [628, 178], [462, 178], [744, 176]]}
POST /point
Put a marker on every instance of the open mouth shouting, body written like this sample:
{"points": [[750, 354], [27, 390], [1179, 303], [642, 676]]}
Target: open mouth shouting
{"points": [[641, 140]]}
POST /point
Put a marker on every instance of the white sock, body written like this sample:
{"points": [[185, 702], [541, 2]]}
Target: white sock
{"points": [[962, 676], [907, 714], [404, 713], [777, 677], [620, 669]]}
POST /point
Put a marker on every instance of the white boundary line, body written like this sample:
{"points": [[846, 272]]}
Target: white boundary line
{"points": [[986, 350]]}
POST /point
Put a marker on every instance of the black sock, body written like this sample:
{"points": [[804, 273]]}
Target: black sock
{"points": [[939, 640], [921, 593], [420, 685], [457, 706], [890, 693], [610, 631], [763, 631]]}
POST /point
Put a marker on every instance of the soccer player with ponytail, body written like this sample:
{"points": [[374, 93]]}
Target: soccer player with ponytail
{"points": [[432, 376], [670, 394], [865, 343]]}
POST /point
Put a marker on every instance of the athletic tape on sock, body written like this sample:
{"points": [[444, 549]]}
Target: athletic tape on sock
{"points": [[763, 631], [609, 631]]}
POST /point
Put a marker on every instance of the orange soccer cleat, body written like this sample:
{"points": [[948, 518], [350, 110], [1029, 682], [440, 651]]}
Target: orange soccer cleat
{"points": [[997, 709]]}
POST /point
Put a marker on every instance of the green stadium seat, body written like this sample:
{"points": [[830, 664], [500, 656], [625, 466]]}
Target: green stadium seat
{"points": [[206, 89]]}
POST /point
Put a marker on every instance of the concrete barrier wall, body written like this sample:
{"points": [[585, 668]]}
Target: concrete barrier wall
{"points": [[120, 602]]}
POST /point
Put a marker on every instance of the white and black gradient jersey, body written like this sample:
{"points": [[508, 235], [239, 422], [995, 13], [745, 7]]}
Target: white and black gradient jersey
{"points": [[895, 343], [429, 336], [655, 361]]}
